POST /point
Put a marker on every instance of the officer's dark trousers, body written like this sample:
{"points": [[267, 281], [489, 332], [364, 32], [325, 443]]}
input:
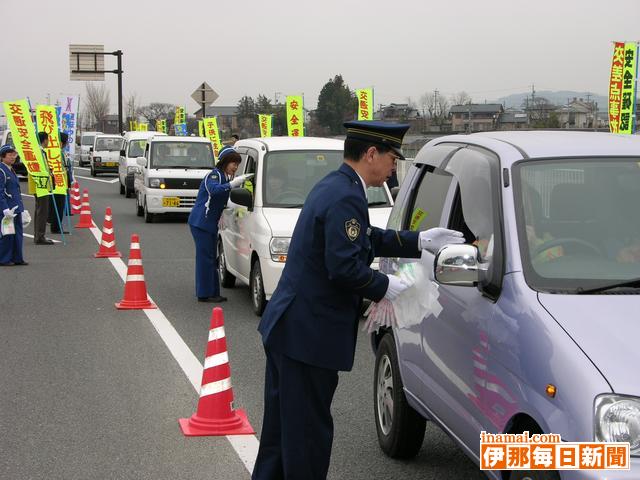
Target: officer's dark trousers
{"points": [[11, 245], [297, 430], [40, 218], [56, 212], [207, 281]]}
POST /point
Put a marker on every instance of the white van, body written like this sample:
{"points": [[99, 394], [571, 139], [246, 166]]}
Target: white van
{"points": [[86, 142], [169, 174], [104, 155], [132, 148], [255, 229]]}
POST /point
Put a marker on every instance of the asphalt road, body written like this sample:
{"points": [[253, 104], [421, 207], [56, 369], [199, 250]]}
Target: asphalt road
{"points": [[90, 392]]}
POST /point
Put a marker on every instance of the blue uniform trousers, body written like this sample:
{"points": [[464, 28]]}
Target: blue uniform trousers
{"points": [[297, 430], [11, 245], [207, 281]]}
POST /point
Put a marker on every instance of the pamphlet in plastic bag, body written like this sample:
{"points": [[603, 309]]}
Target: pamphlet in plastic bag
{"points": [[7, 227]]}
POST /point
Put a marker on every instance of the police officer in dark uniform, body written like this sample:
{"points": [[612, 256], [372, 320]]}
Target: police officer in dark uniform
{"points": [[11, 207], [309, 327], [203, 221]]}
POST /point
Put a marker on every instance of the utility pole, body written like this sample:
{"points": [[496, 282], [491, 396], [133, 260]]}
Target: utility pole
{"points": [[435, 102]]}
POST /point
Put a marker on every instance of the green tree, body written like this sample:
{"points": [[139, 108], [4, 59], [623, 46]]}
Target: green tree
{"points": [[263, 104], [246, 108], [336, 103]]}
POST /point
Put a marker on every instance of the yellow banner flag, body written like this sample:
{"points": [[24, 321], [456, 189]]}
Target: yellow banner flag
{"points": [[364, 96], [628, 99], [265, 124], [143, 127], [201, 128], [159, 126], [47, 121], [211, 132], [615, 87], [295, 116], [26, 143]]}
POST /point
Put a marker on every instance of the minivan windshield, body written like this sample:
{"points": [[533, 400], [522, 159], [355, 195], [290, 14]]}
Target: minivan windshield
{"points": [[578, 222], [189, 155], [289, 176], [110, 144]]}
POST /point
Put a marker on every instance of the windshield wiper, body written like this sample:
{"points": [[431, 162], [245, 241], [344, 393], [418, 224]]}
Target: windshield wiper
{"points": [[299, 205], [635, 283], [375, 204]]}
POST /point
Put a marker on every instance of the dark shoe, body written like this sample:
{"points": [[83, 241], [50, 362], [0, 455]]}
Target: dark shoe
{"points": [[203, 299], [46, 241], [21, 263], [57, 232], [8, 264], [218, 299]]}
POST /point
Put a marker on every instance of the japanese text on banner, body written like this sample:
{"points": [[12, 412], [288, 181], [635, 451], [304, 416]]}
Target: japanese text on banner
{"points": [[629, 75], [68, 122], [143, 127], [364, 96], [615, 87], [295, 116], [265, 124], [24, 137], [180, 122], [48, 123], [161, 126], [211, 132], [201, 128]]}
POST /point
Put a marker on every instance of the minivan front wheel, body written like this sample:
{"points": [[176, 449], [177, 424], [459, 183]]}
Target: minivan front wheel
{"points": [[227, 279], [400, 428], [256, 287]]}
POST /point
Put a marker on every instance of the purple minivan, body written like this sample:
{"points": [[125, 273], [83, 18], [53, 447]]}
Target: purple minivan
{"points": [[534, 322]]}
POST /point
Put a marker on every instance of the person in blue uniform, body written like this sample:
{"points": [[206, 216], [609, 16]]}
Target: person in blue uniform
{"points": [[11, 206], [309, 327], [203, 221]]}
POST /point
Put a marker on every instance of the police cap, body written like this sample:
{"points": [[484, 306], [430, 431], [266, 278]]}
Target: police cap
{"points": [[6, 149], [381, 133]]}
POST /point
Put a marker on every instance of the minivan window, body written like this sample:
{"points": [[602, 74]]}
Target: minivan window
{"points": [[431, 193], [110, 144], [578, 222], [289, 176], [88, 139], [136, 148], [189, 155]]}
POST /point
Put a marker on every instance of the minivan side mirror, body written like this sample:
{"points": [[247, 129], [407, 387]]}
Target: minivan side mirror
{"points": [[122, 153], [457, 265], [90, 149], [242, 196], [394, 192], [141, 161]]}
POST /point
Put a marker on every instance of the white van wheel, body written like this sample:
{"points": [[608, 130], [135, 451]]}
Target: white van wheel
{"points": [[256, 287]]}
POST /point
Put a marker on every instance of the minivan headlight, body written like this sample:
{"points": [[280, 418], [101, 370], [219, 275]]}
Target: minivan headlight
{"points": [[156, 183], [617, 419], [279, 247]]}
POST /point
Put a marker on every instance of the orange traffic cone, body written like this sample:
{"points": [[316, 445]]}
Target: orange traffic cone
{"points": [[108, 243], [85, 214], [76, 203], [215, 414], [135, 290]]}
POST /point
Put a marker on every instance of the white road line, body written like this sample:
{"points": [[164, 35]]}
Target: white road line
{"points": [[31, 236], [82, 168], [246, 446], [26, 195], [98, 179]]}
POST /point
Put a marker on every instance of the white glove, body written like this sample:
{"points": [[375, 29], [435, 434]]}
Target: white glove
{"points": [[436, 238], [9, 212], [239, 180], [26, 218], [395, 288]]}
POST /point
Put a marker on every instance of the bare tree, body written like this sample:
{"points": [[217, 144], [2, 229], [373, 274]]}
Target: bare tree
{"points": [[156, 111], [461, 98], [434, 106], [132, 106], [96, 103]]}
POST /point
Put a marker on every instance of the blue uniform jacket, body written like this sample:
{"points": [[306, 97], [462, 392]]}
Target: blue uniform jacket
{"points": [[313, 314], [9, 190], [215, 189]]}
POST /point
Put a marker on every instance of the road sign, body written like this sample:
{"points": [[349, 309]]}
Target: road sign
{"points": [[204, 94], [86, 62]]}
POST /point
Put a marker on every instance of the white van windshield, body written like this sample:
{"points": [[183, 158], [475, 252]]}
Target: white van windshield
{"points": [[289, 177], [579, 222], [188, 155], [109, 144], [88, 139]]}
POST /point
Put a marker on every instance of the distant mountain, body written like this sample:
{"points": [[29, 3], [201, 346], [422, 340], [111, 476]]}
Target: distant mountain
{"points": [[558, 98]]}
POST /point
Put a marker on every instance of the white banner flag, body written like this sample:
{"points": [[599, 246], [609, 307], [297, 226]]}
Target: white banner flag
{"points": [[68, 121]]}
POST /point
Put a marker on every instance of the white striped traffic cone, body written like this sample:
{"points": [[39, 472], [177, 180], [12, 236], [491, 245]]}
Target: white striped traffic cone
{"points": [[108, 242], [85, 214], [215, 414], [76, 202], [135, 289]]}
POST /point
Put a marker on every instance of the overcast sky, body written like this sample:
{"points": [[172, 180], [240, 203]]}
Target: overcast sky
{"points": [[488, 48]]}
